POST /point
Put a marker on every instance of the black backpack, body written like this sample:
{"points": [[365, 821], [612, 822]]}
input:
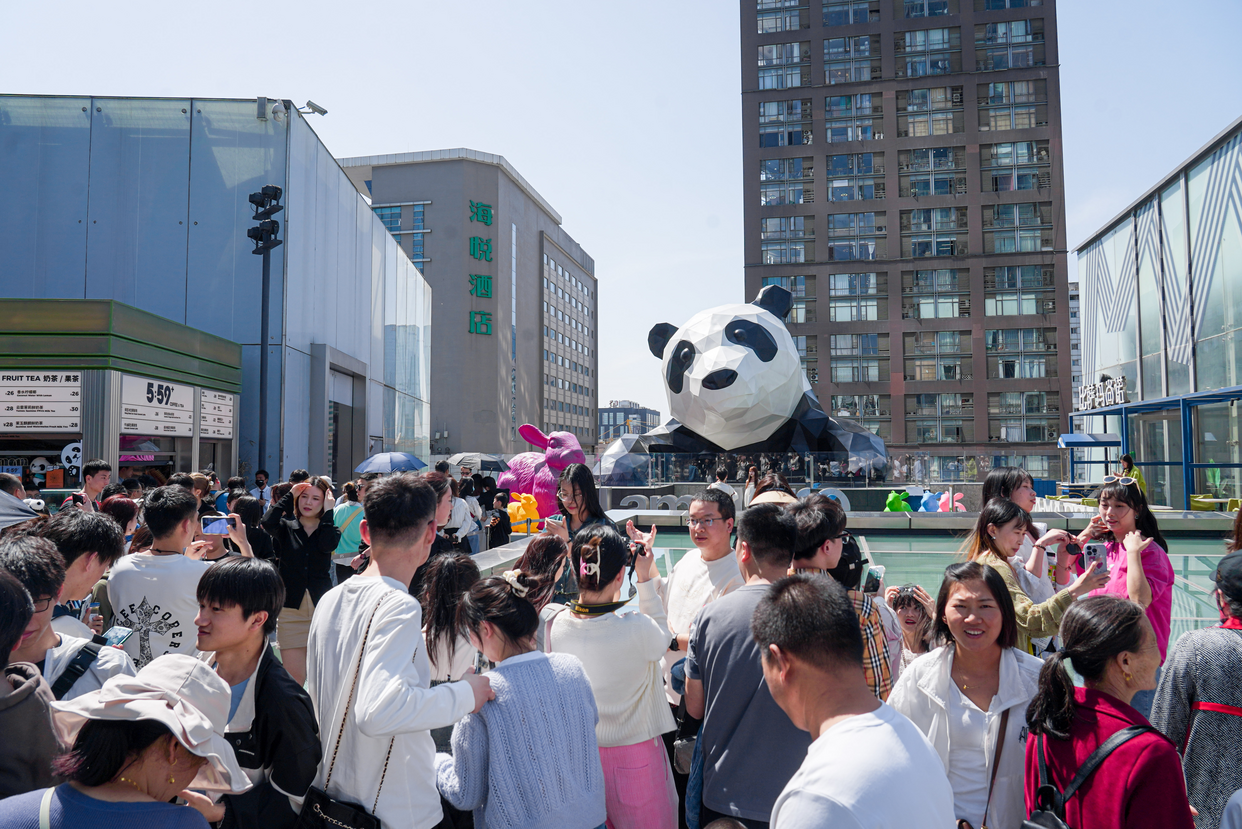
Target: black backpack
{"points": [[1049, 811]]}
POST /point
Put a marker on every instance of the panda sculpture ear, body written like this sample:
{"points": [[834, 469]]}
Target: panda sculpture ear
{"points": [[775, 300], [658, 337]]}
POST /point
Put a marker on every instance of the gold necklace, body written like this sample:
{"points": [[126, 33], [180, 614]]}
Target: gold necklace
{"points": [[129, 782]]}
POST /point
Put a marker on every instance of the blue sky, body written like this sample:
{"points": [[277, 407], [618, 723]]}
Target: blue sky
{"points": [[626, 117]]}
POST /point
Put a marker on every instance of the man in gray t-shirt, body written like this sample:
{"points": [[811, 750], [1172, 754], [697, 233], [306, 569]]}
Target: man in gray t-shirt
{"points": [[750, 747]]}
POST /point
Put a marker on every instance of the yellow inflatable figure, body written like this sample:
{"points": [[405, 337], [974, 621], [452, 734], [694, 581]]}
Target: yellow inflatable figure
{"points": [[522, 508]]}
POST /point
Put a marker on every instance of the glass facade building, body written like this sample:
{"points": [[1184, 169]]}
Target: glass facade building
{"points": [[145, 202], [1161, 306]]}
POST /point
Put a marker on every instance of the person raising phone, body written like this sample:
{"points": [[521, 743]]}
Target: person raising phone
{"points": [[579, 508]]}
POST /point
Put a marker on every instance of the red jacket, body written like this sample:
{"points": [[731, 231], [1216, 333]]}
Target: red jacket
{"points": [[1140, 784]]}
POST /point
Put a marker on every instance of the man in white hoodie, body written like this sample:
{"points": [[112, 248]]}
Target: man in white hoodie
{"points": [[369, 676]]}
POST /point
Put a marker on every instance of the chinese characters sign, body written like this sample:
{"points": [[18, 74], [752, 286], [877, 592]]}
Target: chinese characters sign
{"points": [[154, 407], [40, 401], [481, 283], [1108, 393]]}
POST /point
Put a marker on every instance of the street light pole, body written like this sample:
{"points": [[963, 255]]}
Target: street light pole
{"points": [[266, 204]]}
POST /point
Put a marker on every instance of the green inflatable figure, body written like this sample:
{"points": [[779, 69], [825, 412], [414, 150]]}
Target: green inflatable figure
{"points": [[897, 502]]}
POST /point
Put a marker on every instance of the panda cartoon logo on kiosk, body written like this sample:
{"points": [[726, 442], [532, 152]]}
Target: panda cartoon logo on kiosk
{"points": [[735, 383]]}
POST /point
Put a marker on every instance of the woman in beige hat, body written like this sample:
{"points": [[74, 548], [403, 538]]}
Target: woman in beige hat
{"points": [[137, 743]]}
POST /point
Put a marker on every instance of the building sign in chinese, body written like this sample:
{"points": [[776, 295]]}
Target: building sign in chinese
{"points": [[40, 401], [156, 407], [480, 212], [481, 248], [1107, 393], [481, 285], [480, 322], [216, 414]]}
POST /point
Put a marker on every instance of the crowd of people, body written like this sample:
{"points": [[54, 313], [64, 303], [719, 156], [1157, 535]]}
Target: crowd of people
{"points": [[297, 655]]}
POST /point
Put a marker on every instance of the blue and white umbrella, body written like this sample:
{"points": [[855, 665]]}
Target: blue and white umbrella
{"points": [[386, 462]]}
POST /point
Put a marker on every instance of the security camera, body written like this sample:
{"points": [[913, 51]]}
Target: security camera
{"points": [[316, 108]]}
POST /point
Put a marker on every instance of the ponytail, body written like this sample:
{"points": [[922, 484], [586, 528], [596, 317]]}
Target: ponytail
{"points": [[1052, 709], [598, 555], [501, 600]]}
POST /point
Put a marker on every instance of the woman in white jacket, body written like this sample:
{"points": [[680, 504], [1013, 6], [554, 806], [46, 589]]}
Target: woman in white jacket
{"points": [[965, 693]]}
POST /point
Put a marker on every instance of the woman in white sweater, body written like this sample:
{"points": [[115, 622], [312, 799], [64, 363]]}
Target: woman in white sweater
{"points": [[621, 655], [528, 759]]}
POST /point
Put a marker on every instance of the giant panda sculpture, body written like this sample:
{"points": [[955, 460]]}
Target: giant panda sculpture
{"points": [[735, 383]]}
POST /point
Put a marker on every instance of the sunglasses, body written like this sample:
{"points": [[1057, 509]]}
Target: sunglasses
{"points": [[1109, 479]]}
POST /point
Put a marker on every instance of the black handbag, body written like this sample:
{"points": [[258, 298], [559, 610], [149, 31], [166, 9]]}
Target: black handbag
{"points": [[319, 810], [1049, 811]]}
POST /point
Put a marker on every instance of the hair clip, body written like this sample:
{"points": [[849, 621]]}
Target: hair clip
{"points": [[514, 578], [588, 569]]}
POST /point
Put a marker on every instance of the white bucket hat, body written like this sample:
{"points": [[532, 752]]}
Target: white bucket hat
{"points": [[182, 693]]}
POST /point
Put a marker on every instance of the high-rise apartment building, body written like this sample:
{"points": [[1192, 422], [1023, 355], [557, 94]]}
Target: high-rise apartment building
{"points": [[903, 178], [515, 299], [626, 417]]}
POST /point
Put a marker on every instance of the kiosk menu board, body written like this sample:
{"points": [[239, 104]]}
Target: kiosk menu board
{"points": [[40, 401]]}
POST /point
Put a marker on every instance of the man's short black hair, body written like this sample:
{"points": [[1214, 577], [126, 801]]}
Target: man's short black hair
{"points": [[443, 467], [236, 482], [16, 608], [114, 488], [298, 475], [812, 618], [819, 518], [769, 532], [398, 507], [95, 466], [182, 479], [250, 583], [35, 563], [76, 533], [11, 484], [262, 472], [131, 484], [166, 507], [722, 472], [722, 500]]}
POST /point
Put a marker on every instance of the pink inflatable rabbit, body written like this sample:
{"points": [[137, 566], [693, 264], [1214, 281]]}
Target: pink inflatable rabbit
{"points": [[537, 473]]}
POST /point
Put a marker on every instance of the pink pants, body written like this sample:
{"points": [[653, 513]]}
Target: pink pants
{"points": [[638, 786]]}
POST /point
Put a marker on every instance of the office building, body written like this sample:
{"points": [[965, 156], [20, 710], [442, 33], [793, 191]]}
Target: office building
{"points": [[625, 417], [1162, 331], [134, 301], [903, 178], [515, 296]]}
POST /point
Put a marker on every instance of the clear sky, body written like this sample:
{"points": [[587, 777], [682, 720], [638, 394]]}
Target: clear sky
{"points": [[626, 117]]}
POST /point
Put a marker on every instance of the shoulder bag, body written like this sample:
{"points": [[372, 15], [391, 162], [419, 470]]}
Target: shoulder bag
{"points": [[319, 810], [996, 755], [1049, 811]]}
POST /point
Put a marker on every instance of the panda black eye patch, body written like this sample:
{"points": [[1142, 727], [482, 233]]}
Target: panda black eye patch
{"points": [[754, 336], [679, 364]]}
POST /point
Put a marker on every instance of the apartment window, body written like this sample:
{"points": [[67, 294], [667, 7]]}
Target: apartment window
{"points": [[783, 16], [937, 355], [799, 286], [938, 171], [1015, 417], [849, 59], [861, 405], [391, 217], [935, 294], [808, 354], [784, 65], [928, 52], [418, 212], [417, 250], [1024, 403], [855, 176], [853, 117], [1018, 289], [910, 9], [932, 111], [785, 123], [1017, 228], [1009, 44], [854, 297], [1013, 105], [856, 236], [939, 418], [997, 5], [937, 231], [787, 239], [859, 358], [786, 181], [1016, 165], [1021, 353], [837, 13]]}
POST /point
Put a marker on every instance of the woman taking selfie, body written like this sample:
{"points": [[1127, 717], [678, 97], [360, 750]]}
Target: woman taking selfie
{"points": [[303, 538], [914, 610], [1112, 646], [621, 656], [969, 696], [995, 540], [1138, 567]]}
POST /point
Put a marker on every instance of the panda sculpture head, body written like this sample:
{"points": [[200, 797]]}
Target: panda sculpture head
{"points": [[732, 373]]}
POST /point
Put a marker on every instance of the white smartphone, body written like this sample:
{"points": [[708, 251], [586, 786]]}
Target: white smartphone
{"points": [[1095, 551]]}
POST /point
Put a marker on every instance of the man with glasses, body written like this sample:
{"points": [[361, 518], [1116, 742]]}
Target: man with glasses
{"points": [[821, 539]]}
